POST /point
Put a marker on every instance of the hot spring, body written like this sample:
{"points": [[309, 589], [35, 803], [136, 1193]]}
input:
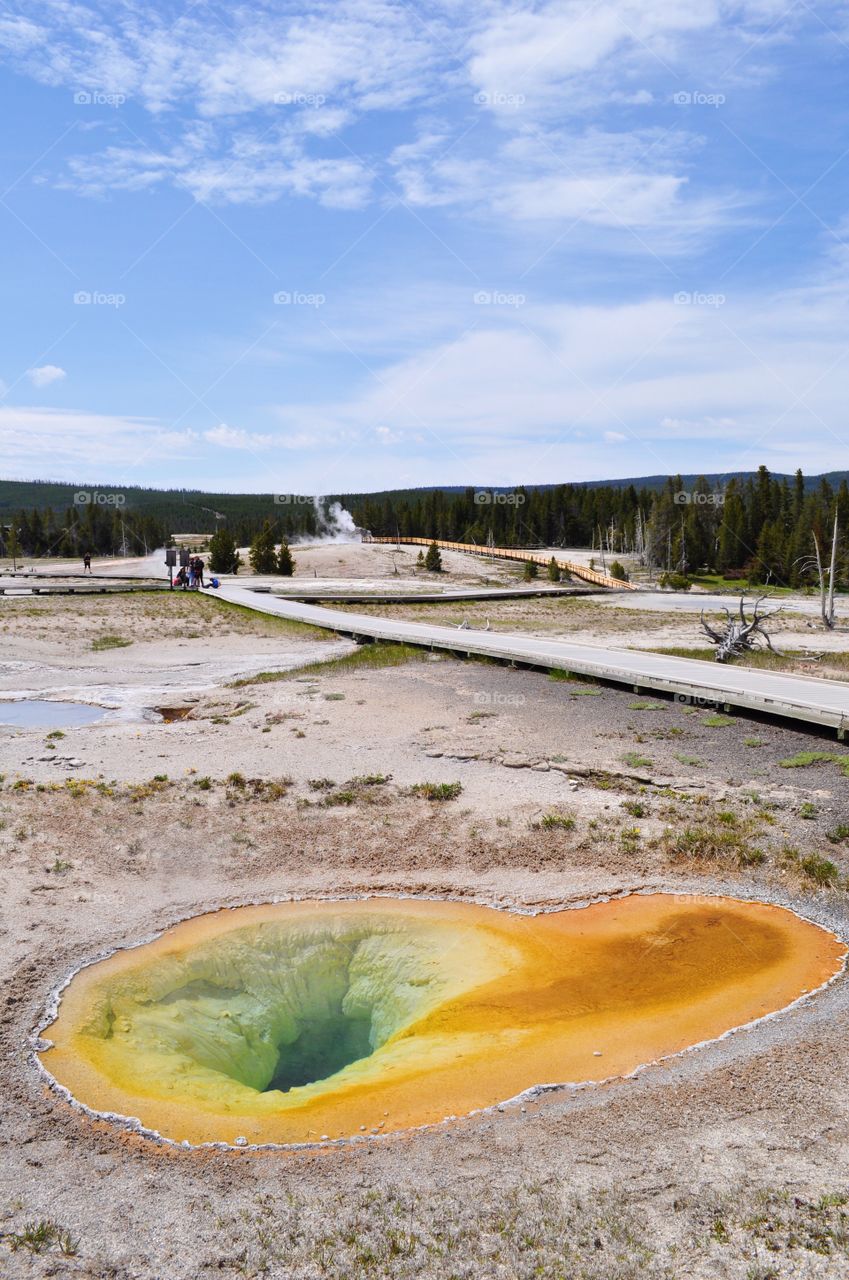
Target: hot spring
{"points": [[304, 1021], [44, 713]]}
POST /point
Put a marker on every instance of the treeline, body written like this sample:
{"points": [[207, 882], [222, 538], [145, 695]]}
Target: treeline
{"points": [[760, 527], [172, 510], [99, 530]]}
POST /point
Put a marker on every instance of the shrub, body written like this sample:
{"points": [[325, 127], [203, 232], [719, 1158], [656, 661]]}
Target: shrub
{"points": [[676, 581], [618, 571]]}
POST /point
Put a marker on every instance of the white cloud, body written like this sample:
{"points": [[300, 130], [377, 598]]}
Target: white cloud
{"points": [[542, 391], [76, 444], [243, 112], [44, 374], [235, 438]]}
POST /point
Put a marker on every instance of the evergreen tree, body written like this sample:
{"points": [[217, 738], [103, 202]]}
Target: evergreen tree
{"points": [[263, 556], [285, 563], [553, 570], [530, 571], [223, 555], [433, 560]]}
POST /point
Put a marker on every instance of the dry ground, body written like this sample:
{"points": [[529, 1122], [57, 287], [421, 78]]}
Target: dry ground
{"points": [[731, 1161]]}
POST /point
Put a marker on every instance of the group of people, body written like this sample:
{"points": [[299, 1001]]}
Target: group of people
{"points": [[190, 576]]}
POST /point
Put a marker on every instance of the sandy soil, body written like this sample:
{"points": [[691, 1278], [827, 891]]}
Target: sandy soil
{"points": [[714, 1164]]}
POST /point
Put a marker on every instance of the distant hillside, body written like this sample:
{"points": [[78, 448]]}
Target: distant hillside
{"points": [[199, 511]]}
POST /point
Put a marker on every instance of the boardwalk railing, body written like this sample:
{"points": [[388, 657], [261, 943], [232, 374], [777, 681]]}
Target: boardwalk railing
{"points": [[514, 553]]}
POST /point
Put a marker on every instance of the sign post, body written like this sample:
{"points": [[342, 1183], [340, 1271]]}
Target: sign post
{"points": [[171, 562]]}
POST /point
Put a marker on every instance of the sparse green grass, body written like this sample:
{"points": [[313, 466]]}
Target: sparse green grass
{"points": [[537, 1231], [636, 808], [647, 706], [110, 642], [807, 810], [366, 657], [38, 1237], [717, 721], [752, 742], [437, 790], [812, 866], [634, 760], [839, 833], [719, 844], [693, 761], [556, 822], [804, 759]]}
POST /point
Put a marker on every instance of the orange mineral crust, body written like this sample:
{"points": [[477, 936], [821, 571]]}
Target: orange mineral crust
{"points": [[304, 1021]]}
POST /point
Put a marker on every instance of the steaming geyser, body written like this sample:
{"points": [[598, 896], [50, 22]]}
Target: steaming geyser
{"points": [[294, 1022]]}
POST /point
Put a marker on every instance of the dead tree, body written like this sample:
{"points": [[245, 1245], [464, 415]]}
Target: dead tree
{"points": [[740, 634], [827, 597]]}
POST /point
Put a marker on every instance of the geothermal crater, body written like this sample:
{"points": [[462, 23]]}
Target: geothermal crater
{"points": [[300, 1022]]}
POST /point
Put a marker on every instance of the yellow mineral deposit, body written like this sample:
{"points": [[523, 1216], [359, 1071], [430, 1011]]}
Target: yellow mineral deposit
{"points": [[297, 1022]]}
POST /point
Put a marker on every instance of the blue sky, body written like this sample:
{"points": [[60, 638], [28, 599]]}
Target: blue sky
{"points": [[372, 244]]}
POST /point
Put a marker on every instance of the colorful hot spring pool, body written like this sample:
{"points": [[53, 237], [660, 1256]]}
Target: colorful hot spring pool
{"points": [[300, 1022]]}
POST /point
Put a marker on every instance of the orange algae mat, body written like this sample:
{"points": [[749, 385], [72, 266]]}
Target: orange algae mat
{"points": [[304, 1021]]}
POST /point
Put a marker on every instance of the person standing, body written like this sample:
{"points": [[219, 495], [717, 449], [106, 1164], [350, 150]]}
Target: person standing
{"points": [[86, 563]]}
